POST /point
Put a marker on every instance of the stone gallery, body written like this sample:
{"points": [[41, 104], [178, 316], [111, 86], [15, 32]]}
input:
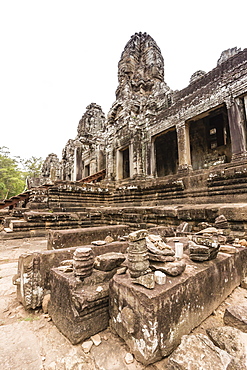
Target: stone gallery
{"points": [[146, 213]]}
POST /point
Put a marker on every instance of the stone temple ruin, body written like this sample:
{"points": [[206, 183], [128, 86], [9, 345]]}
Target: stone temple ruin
{"points": [[146, 213]]}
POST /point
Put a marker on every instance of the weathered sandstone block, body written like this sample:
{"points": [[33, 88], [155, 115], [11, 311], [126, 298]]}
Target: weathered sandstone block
{"points": [[77, 237], [80, 309], [160, 317]]}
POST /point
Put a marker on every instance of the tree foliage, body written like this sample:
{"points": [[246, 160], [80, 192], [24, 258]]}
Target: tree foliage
{"points": [[14, 171], [32, 166]]}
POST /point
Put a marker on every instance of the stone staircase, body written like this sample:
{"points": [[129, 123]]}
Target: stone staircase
{"points": [[137, 203]]}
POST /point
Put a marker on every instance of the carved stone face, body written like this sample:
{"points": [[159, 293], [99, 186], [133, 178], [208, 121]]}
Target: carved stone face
{"points": [[141, 65], [92, 121]]}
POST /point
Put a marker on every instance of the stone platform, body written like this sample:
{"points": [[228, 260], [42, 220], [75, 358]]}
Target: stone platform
{"points": [[152, 322]]}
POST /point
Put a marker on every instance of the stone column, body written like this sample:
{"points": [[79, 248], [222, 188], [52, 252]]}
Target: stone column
{"points": [[110, 175], [77, 174], [148, 158], [73, 177], [245, 105], [133, 166], [119, 165], [183, 138], [236, 118]]}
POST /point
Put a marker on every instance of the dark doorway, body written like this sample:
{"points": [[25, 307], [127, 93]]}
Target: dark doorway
{"points": [[126, 163], [166, 150], [87, 170], [210, 140]]}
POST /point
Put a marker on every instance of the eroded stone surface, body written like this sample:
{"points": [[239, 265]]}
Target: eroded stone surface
{"points": [[231, 340], [198, 352], [185, 301], [108, 261], [169, 268], [79, 309], [236, 316], [203, 252], [147, 280], [138, 235]]}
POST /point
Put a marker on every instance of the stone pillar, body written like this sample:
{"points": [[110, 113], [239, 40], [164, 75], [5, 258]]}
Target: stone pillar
{"points": [[152, 159], [236, 118], [133, 166], [119, 165], [183, 138], [110, 175], [245, 105], [77, 173], [148, 158], [73, 175]]}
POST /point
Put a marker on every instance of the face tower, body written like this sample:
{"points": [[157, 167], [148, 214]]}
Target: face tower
{"points": [[140, 68]]}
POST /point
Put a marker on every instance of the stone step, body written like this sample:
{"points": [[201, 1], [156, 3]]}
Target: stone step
{"points": [[8, 230]]}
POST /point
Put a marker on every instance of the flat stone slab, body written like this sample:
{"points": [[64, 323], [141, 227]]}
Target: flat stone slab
{"points": [[77, 237], [157, 319], [23, 350]]}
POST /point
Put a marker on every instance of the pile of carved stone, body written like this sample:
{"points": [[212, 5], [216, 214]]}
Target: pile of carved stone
{"points": [[205, 244], [80, 286], [150, 259]]}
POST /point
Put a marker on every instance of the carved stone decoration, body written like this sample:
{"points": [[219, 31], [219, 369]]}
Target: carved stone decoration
{"points": [[156, 246], [51, 167], [83, 262], [29, 282], [67, 162], [203, 248], [138, 262], [221, 222], [226, 54], [138, 258], [141, 66], [92, 121], [196, 75], [108, 261]]}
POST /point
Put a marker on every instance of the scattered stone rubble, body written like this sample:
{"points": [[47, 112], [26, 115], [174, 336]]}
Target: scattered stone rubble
{"points": [[134, 290]]}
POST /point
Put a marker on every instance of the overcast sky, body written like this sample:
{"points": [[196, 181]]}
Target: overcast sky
{"points": [[59, 56]]}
